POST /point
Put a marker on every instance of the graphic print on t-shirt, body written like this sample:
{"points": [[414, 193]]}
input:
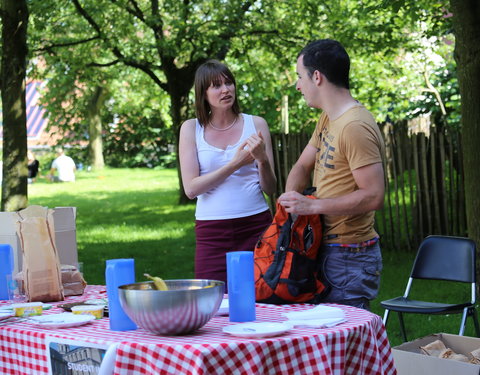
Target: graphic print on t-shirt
{"points": [[326, 155]]}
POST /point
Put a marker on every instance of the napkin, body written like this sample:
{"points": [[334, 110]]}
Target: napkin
{"points": [[223, 309], [316, 323], [318, 317]]}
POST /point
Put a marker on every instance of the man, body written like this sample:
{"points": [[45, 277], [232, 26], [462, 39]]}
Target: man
{"points": [[65, 167], [345, 154]]}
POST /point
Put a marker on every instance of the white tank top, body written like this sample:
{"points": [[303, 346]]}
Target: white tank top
{"points": [[239, 195]]}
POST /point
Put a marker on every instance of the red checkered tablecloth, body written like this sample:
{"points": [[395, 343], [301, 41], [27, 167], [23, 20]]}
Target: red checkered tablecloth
{"points": [[358, 346]]}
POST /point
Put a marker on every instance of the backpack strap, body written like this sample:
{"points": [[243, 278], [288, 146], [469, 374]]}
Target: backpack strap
{"points": [[272, 274]]}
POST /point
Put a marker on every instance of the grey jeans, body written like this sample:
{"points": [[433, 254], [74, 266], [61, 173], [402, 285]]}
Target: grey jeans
{"points": [[351, 274]]}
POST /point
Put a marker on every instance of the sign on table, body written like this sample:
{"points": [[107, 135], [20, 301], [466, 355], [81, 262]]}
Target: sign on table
{"points": [[75, 357]]}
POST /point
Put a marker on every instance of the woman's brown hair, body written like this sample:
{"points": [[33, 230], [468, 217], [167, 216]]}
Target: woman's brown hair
{"points": [[211, 72]]}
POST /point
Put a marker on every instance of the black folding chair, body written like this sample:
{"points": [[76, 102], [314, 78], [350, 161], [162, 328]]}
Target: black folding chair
{"points": [[439, 258]]}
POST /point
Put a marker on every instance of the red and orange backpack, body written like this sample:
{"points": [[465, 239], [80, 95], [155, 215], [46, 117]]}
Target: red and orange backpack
{"points": [[285, 257]]}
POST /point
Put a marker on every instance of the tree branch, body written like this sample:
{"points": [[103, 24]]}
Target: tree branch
{"points": [[51, 47], [435, 92], [87, 17], [136, 11], [229, 33], [100, 65], [145, 67]]}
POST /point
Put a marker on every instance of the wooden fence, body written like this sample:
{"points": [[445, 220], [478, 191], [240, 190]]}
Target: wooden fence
{"points": [[424, 182]]}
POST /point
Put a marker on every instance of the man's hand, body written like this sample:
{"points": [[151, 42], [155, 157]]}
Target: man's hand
{"points": [[296, 203]]}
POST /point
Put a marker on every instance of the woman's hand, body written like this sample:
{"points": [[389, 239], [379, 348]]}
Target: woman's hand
{"points": [[252, 149], [256, 146], [242, 157]]}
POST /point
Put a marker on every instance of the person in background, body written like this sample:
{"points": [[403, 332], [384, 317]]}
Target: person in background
{"points": [[64, 166], [226, 163], [346, 154], [33, 167]]}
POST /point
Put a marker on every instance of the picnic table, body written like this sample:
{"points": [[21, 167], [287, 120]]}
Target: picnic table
{"points": [[357, 346]]}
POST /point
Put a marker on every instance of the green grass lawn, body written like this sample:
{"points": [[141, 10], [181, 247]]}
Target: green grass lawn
{"points": [[126, 213], [133, 213]]}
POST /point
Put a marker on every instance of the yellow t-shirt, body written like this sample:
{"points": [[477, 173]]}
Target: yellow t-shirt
{"points": [[351, 141]]}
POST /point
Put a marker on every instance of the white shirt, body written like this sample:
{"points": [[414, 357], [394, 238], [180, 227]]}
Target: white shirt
{"points": [[66, 168], [240, 194]]}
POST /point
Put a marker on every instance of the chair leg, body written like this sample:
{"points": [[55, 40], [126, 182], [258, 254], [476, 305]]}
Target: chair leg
{"points": [[463, 322], [385, 317], [402, 327], [473, 314]]}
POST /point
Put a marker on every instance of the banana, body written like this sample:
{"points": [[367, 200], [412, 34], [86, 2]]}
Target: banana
{"points": [[157, 281]]}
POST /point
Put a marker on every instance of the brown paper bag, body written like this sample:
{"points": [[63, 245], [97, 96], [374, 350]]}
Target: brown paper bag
{"points": [[65, 233], [41, 265], [72, 280], [435, 348]]}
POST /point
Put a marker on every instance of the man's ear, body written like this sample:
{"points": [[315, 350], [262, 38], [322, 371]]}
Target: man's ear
{"points": [[317, 77]]}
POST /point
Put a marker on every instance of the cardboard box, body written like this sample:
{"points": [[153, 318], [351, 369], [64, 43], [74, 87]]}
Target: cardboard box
{"points": [[8, 235], [410, 361], [65, 235]]}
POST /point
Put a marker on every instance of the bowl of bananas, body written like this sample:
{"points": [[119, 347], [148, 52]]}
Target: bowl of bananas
{"points": [[171, 307]]}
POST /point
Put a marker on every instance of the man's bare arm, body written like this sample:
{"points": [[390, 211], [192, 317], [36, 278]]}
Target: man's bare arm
{"points": [[300, 174], [368, 197]]}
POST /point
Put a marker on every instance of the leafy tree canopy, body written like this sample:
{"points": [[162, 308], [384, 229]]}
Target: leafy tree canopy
{"points": [[146, 52]]}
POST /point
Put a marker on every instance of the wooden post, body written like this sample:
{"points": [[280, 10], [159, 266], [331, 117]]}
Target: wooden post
{"points": [[433, 168], [285, 126], [441, 181]]}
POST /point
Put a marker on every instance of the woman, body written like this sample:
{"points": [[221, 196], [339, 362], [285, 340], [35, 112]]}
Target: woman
{"points": [[226, 161]]}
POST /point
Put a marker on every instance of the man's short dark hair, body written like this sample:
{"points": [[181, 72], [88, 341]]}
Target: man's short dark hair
{"points": [[328, 57]]}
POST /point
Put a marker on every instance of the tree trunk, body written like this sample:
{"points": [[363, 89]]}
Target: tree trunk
{"points": [[95, 128], [13, 70], [466, 16], [178, 111], [179, 84]]}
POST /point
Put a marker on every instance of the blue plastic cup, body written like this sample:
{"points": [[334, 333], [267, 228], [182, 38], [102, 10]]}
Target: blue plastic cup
{"points": [[6, 270], [241, 286], [119, 272]]}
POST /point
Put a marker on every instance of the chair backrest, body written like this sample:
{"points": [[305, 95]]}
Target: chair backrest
{"points": [[445, 258]]}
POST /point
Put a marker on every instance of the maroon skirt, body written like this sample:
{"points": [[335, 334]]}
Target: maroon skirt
{"points": [[215, 238]]}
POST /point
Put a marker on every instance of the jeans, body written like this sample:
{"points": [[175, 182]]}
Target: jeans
{"points": [[352, 275]]}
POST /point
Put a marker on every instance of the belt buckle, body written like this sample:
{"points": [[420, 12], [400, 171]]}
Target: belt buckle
{"points": [[358, 249]]}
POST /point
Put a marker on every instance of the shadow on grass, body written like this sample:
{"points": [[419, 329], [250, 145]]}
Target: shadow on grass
{"points": [[126, 225], [167, 258], [145, 208]]}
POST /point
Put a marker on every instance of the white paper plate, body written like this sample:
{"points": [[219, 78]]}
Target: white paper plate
{"points": [[6, 315], [223, 309], [257, 330], [62, 320]]}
